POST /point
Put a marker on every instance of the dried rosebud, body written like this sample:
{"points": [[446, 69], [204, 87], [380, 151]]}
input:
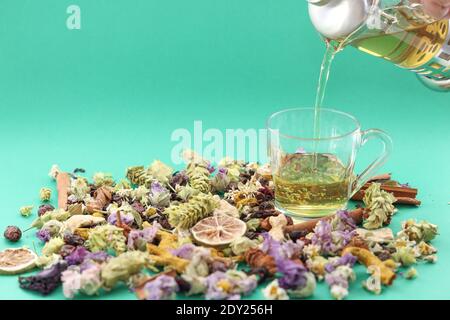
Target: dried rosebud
{"points": [[13, 233], [73, 239], [138, 207], [66, 250], [44, 208]]}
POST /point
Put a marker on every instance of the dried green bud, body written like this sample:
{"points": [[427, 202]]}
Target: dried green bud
{"points": [[45, 194], [26, 211]]}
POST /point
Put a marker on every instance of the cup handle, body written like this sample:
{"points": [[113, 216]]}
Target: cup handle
{"points": [[377, 163]]}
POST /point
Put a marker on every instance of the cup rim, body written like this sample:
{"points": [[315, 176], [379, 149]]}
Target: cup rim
{"points": [[351, 117]]}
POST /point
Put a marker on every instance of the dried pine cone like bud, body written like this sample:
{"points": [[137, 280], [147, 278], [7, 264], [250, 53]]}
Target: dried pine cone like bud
{"points": [[44, 208], [13, 233]]}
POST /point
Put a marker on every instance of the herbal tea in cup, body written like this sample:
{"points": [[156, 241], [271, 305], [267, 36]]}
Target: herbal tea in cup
{"points": [[312, 164]]}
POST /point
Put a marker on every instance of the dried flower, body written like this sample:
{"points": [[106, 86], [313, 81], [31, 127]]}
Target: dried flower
{"points": [[338, 281], [52, 246], [26, 211], [198, 174], [45, 281], [45, 208], [418, 231], [186, 215], [328, 240], [138, 239], [107, 237], [45, 194], [380, 205], [43, 235], [73, 239], [77, 256], [160, 196], [242, 244], [12, 233], [122, 267], [160, 171], [162, 288], [101, 179], [221, 180], [229, 285], [405, 255], [274, 292], [411, 273], [126, 218]]}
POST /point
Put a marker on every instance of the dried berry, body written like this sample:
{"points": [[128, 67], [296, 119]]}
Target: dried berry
{"points": [[13, 233], [45, 208]]}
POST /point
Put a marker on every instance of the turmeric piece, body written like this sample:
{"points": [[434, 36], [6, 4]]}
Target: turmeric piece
{"points": [[364, 256]]}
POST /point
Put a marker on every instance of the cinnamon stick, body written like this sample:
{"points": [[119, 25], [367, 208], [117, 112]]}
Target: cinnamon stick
{"points": [[62, 187], [404, 195], [405, 200], [308, 226]]}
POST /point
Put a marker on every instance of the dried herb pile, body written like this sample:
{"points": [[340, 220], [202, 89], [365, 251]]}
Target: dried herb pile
{"points": [[157, 231]]}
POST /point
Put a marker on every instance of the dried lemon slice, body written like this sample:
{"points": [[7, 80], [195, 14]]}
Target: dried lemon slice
{"points": [[218, 230], [15, 261]]}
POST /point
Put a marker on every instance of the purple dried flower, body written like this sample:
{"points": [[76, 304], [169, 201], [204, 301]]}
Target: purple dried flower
{"points": [[77, 256], [179, 178], [45, 281], [294, 274], [157, 187], [300, 150], [346, 260], [99, 256], [45, 208], [229, 285], [330, 241], [223, 170], [343, 221], [43, 235], [128, 219], [162, 288], [185, 251], [211, 168], [138, 239]]}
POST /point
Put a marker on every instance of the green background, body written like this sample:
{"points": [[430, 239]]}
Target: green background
{"points": [[109, 96]]}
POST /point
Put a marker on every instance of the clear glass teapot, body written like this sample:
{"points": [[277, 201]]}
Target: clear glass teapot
{"points": [[395, 30]]}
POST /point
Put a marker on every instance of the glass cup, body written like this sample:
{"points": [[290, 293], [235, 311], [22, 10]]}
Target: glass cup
{"points": [[312, 162]]}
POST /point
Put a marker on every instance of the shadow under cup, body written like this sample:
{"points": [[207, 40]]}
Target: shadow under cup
{"points": [[312, 157]]}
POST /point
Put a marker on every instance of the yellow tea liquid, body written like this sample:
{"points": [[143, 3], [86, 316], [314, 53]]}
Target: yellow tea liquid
{"points": [[312, 185]]}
